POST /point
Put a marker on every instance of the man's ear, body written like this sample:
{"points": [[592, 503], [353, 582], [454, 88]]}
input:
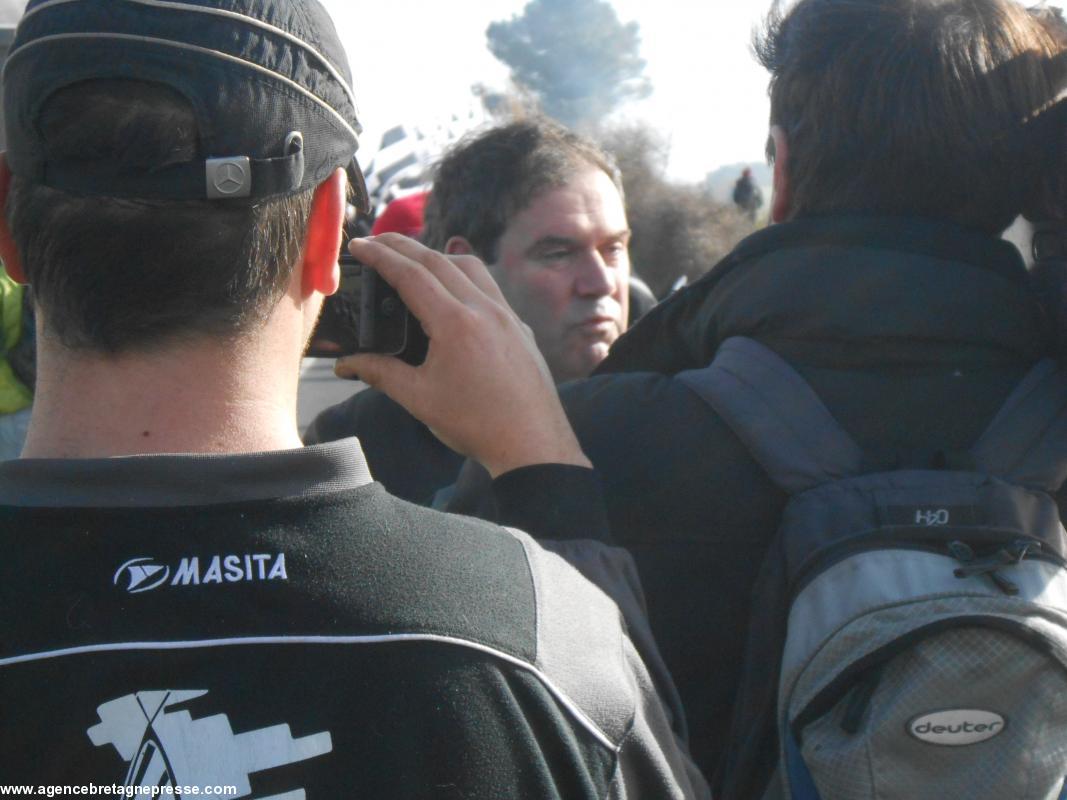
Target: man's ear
{"points": [[458, 246], [8, 251], [781, 196], [322, 246]]}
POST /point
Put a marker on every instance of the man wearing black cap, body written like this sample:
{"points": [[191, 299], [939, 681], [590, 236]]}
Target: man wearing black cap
{"points": [[189, 598]]}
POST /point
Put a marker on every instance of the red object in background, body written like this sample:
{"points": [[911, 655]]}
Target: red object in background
{"points": [[403, 215]]}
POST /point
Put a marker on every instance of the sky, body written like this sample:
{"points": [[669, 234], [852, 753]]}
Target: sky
{"points": [[414, 61]]}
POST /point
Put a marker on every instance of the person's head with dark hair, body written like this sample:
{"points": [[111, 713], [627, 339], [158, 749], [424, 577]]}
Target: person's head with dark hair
{"points": [[115, 274], [543, 207], [902, 107], [177, 200]]}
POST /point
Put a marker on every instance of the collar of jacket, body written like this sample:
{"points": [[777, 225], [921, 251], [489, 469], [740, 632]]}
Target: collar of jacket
{"points": [[859, 288]]}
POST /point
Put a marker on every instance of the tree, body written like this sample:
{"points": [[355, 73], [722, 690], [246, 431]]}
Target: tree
{"points": [[574, 56]]}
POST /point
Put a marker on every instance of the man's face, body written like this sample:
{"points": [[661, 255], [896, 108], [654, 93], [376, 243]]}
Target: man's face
{"points": [[563, 265]]}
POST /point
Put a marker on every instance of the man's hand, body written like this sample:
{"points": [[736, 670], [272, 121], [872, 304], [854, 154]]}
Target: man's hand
{"points": [[484, 388]]}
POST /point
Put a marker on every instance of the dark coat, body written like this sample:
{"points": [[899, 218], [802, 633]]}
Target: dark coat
{"points": [[912, 332], [404, 456]]}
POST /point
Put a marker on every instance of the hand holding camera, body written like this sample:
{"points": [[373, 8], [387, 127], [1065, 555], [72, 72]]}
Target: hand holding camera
{"points": [[366, 315], [483, 388]]}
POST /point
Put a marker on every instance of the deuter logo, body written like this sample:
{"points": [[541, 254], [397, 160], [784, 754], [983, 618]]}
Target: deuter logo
{"points": [[957, 727], [144, 574]]}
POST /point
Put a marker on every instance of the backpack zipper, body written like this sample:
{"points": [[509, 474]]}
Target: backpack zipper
{"points": [[862, 676], [823, 559], [1007, 556]]}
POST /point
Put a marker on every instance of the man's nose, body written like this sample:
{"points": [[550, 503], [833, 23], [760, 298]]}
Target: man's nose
{"points": [[595, 277]]}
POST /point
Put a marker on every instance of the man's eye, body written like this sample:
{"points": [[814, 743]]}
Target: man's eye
{"points": [[555, 255]]}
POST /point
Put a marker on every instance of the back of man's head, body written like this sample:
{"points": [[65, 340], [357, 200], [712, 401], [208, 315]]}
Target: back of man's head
{"points": [[485, 180], [164, 158], [905, 107]]}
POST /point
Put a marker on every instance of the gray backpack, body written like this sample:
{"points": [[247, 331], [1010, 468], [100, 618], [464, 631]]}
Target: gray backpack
{"points": [[909, 628]]}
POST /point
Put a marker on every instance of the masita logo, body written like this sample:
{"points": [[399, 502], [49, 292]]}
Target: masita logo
{"points": [[141, 574], [957, 727], [144, 574]]}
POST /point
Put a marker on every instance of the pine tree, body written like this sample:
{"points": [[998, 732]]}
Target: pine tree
{"points": [[574, 56]]}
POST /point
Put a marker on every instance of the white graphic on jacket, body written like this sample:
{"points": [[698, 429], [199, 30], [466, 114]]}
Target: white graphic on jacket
{"points": [[170, 748]]}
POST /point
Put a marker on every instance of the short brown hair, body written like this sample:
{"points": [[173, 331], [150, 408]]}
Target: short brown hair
{"points": [[486, 179], [114, 275], [905, 107]]}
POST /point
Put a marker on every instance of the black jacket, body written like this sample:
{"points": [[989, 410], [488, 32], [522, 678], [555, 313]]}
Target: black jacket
{"points": [[277, 623], [912, 332], [403, 454]]}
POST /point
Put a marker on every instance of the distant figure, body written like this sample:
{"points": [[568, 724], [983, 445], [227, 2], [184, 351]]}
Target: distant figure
{"points": [[747, 194]]}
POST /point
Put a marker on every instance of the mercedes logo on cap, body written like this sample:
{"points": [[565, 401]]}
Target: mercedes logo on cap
{"points": [[228, 177]]}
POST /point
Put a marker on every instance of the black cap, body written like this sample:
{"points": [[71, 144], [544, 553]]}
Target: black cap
{"points": [[268, 81]]}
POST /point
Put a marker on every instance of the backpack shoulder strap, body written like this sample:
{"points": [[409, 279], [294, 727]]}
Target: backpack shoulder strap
{"points": [[777, 415], [1026, 443]]}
